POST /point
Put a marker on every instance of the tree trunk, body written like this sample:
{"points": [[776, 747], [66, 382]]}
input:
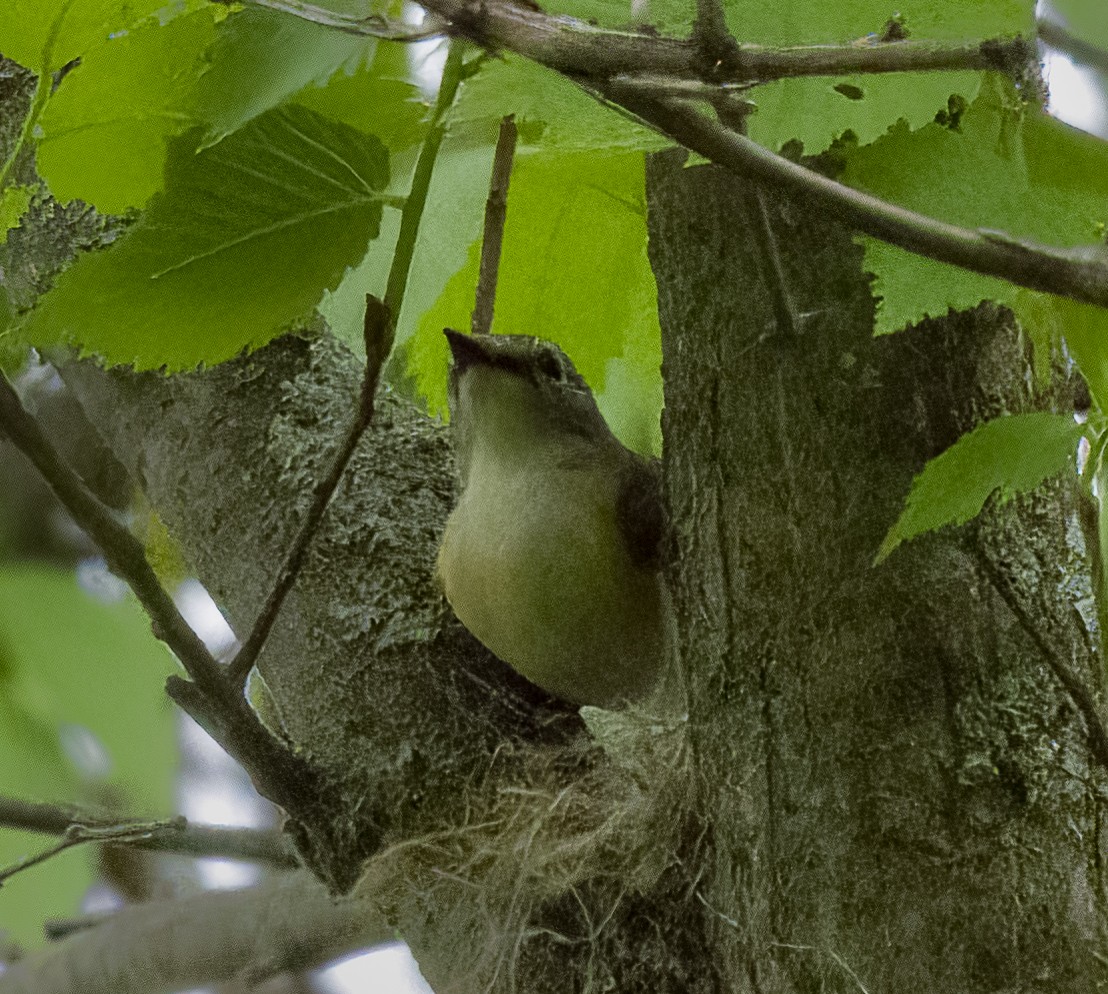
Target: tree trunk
{"points": [[898, 791]]}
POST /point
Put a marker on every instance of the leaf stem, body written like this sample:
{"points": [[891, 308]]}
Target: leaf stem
{"points": [[453, 72]]}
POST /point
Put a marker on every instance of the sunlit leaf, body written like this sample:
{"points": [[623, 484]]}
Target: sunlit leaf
{"points": [[1018, 171], [245, 238], [261, 57], [1008, 456], [14, 201], [105, 130]]}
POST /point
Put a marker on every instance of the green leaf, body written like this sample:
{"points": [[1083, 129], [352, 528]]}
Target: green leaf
{"points": [[104, 132], [379, 99], [573, 270], [815, 112], [261, 57], [1008, 456], [551, 112], [244, 240], [1018, 171], [14, 202], [45, 35], [82, 708]]}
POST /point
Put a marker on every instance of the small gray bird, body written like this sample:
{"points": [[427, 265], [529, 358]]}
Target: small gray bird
{"points": [[551, 556]]}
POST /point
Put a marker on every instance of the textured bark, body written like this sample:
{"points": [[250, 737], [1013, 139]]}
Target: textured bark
{"points": [[900, 794]]}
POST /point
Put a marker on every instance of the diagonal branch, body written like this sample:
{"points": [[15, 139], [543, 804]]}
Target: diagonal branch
{"points": [[1076, 273], [124, 553], [78, 833], [284, 777], [379, 324]]}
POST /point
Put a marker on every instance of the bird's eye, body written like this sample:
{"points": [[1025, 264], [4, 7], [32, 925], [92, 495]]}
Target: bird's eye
{"points": [[548, 364]]}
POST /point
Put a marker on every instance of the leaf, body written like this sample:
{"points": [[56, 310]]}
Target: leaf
{"points": [[574, 270], [45, 35], [551, 112], [14, 202], [261, 57], [816, 112], [75, 673], [1017, 170], [1008, 456], [244, 240], [380, 99], [106, 129]]}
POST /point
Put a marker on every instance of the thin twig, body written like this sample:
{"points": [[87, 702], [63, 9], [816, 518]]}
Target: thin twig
{"points": [[380, 320], [1078, 693], [496, 212], [186, 838], [1079, 274], [77, 834], [377, 329], [372, 26], [453, 71]]}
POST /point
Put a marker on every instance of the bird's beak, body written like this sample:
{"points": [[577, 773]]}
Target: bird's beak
{"points": [[467, 350]]}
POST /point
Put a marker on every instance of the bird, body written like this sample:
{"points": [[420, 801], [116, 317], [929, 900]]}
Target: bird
{"points": [[551, 556]]}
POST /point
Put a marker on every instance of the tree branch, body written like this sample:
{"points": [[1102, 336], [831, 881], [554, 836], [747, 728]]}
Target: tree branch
{"points": [[182, 837], [1059, 37], [77, 834], [287, 923], [1079, 694], [1080, 274], [578, 48], [496, 212], [124, 553]]}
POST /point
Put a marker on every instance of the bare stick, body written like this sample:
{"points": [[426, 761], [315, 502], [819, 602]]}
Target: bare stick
{"points": [[77, 834], [374, 25], [1074, 686], [186, 838], [285, 778], [496, 211]]}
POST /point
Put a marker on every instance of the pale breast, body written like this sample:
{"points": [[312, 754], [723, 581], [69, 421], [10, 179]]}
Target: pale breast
{"points": [[549, 587]]}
